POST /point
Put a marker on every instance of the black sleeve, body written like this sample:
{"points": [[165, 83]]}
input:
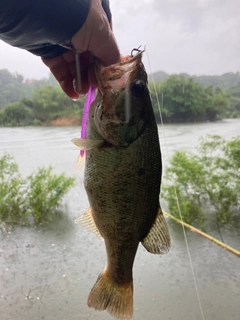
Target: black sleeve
{"points": [[39, 26]]}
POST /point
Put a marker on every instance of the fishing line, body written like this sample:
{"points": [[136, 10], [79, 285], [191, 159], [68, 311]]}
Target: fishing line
{"points": [[176, 196], [78, 79]]}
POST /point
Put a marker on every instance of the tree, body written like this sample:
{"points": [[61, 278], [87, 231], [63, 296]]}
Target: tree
{"points": [[184, 100], [49, 102], [234, 110], [10, 88], [13, 87], [218, 104], [224, 81], [15, 114]]}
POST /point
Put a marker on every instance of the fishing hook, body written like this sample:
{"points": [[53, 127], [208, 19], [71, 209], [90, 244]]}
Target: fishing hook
{"points": [[137, 49]]}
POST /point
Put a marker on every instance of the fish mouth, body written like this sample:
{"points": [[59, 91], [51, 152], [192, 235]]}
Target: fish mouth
{"points": [[119, 115], [117, 76]]}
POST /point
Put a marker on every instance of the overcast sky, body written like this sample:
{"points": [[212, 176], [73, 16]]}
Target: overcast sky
{"points": [[193, 36]]}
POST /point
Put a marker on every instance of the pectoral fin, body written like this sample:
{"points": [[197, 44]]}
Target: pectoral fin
{"points": [[87, 144], [158, 239], [86, 220]]}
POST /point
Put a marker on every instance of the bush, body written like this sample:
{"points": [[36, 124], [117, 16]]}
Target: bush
{"points": [[13, 206], [38, 196], [36, 123], [46, 189], [210, 177]]}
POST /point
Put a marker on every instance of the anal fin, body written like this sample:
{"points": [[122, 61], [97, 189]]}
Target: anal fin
{"points": [[86, 220], [158, 239]]}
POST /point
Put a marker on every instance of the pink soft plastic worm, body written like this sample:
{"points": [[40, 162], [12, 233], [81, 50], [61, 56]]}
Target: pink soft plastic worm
{"points": [[89, 99]]}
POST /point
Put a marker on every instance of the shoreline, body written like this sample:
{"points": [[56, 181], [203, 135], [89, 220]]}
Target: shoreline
{"points": [[76, 121]]}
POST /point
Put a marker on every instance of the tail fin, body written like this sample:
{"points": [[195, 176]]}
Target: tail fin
{"points": [[116, 299]]}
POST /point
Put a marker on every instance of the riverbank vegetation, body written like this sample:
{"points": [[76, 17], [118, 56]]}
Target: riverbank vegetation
{"points": [[35, 102], [46, 104], [182, 99], [35, 198], [206, 182]]}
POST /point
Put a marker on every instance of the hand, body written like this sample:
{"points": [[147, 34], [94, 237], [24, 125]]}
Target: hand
{"points": [[94, 39]]}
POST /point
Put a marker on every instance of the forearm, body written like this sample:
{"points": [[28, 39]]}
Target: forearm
{"points": [[40, 26]]}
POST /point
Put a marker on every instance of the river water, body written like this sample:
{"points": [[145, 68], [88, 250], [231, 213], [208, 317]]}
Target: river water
{"points": [[46, 272]]}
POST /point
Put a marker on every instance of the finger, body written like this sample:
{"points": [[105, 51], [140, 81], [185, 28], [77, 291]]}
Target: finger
{"points": [[91, 71], [81, 83], [97, 37], [104, 47], [102, 43], [68, 87], [61, 69]]}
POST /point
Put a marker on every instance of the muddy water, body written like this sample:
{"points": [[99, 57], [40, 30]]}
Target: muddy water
{"points": [[47, 272]]}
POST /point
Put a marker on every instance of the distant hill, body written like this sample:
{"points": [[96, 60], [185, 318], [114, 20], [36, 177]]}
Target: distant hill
{"points": [[158, 76], [224, 81], [13, 87]]}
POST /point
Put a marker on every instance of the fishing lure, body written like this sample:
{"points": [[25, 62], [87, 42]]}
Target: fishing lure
{"points": [[89, 99]]}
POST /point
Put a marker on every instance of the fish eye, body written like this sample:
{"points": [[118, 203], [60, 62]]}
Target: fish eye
{"points": [[138, 87]]}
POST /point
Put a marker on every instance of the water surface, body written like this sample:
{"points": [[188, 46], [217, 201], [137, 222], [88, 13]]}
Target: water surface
{"points": [[47, 272]]}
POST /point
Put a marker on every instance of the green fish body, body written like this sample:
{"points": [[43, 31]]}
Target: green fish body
{"points": [[122, 180]]}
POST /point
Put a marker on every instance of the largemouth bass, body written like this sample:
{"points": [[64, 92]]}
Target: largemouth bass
{"points": [[122, 180]]}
